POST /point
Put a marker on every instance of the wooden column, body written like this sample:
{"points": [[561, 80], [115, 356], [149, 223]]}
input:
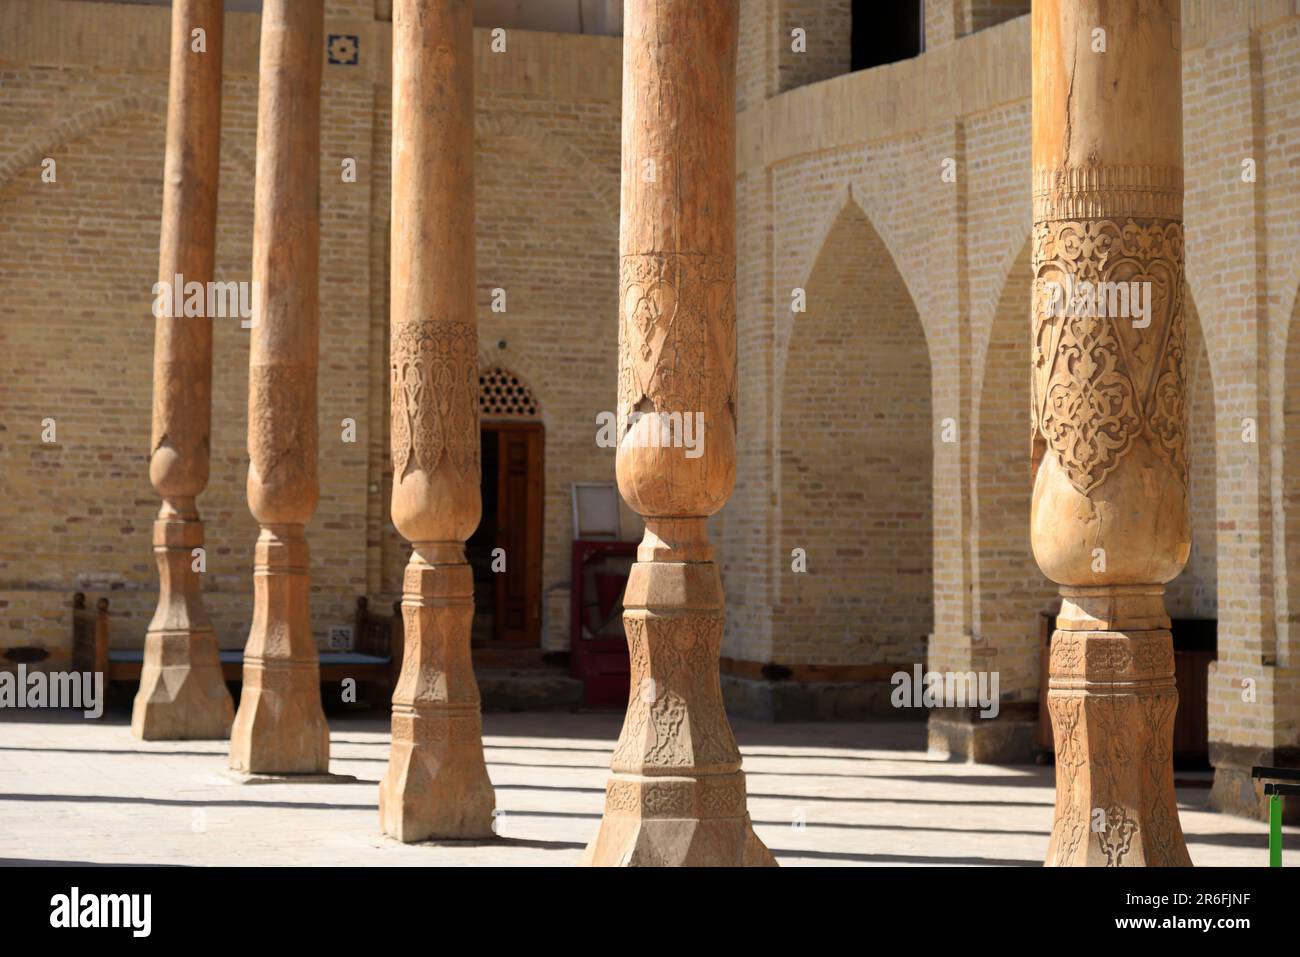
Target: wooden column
{"points": [[677, 793], [182, 694], [437, 783], [280, 727], [1110, 518]]}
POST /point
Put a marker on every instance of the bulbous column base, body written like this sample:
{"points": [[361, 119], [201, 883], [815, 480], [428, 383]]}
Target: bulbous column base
{"points": [[182, 692], [676, 796], [183, 695], [437, 785], [280, 727], [676, 822], [1112, 702]]}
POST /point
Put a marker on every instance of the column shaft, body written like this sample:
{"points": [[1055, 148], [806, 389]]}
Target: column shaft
{"points": [[182, 694], [280, 727], [677, 793], [436, 784], [1110, 518]]}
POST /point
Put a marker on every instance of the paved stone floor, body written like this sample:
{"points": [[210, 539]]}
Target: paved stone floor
{"points": [[73, 791]]}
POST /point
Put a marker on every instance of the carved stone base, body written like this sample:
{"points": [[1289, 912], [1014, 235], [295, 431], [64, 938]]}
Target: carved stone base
{"points": [[1112, 701], [280, 727], [437, 784], [677, 795], [961, 737], [1235, 791], [676, 822], [182, 693]]}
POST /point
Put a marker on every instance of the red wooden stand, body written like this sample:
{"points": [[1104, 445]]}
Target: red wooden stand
{"points": [[601, 662]]}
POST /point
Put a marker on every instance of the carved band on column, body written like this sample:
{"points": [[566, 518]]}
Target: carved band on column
{"points": [[182, 693]]}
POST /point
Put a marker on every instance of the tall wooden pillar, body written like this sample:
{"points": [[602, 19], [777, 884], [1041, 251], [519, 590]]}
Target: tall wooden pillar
{"points": [[437, 783], [182, 694], [280, 727], [1110, 518], [677, 793]]}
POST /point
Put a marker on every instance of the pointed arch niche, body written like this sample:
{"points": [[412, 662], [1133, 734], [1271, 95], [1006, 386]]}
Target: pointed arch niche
{"points": [[856, 462], [1195, 592], [1011, 591], [1289, 632]]}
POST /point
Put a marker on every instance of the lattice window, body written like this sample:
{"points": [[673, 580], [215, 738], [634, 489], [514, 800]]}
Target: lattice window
{"points": [[503, 395]]}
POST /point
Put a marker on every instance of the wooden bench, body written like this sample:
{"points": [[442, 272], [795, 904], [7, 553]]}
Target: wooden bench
{"points": [[89, 635], [377, 658]]}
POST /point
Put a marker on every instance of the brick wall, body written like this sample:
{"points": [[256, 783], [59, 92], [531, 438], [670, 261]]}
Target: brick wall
{"points": [[855, 482], [80, 256]]}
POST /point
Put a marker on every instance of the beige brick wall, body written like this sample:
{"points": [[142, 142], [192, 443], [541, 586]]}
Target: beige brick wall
{"points": [[961, 250], [79, 349], [827, 30], [855, 485]]}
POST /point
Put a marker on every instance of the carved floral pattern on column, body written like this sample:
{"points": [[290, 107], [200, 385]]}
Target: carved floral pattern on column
{"points": [[1070, 822], [284, 428], [435, 393], [674, 309], [659, 731], [1101, 382]]}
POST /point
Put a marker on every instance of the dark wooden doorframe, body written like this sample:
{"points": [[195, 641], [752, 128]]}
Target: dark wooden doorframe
{"points": [[519, 454]]}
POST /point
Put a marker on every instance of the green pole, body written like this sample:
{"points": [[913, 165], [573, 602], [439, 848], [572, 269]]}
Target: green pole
{"points": [[1275, 830]]}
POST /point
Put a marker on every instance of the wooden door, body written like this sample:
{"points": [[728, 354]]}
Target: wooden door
{"points": [[519, 531]]}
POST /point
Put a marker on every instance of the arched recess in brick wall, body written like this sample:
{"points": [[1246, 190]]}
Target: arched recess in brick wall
{"points": [[28, 157], [1195, 592], [518, 132], [1291, 477], [80, 270], [856, 462], [1011, 590]]}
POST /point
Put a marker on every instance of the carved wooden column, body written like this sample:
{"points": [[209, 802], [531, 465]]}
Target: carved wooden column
{"points": [[437, 783], [1110, 519], [677, 793], [280, 727], [182, 694]]}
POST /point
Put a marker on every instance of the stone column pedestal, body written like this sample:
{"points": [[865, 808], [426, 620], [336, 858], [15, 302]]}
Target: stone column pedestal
{"points": [[182, 692], [437, 782], [1112, 702], [280, 727], [677, 792]]}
